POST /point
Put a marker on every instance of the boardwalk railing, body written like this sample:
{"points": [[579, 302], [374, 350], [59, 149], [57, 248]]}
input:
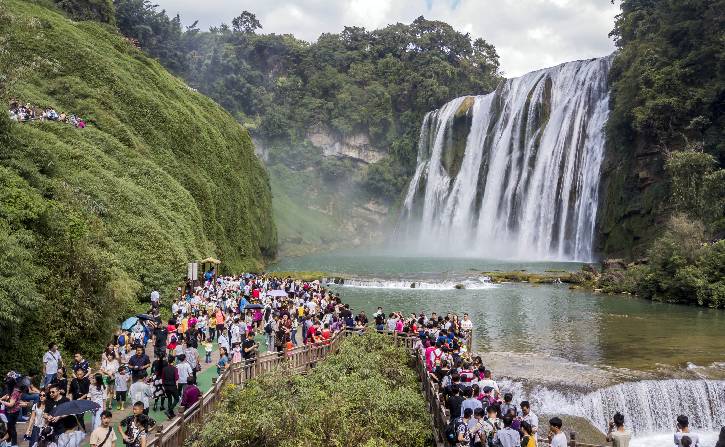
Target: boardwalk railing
{"points": [[298, 360], [301, 360]]}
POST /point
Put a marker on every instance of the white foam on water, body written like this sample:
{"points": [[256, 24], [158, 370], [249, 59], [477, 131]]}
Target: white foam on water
{"points": [[707, 439], [650, 407], [402, 284]]}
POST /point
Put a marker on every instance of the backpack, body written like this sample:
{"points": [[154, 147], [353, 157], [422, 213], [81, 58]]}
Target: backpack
{"points": [[450, 434], [268, 327]]}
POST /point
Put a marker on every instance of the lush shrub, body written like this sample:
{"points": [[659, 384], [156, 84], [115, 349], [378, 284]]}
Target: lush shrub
{"points": [[683, 267], [365, 395]]}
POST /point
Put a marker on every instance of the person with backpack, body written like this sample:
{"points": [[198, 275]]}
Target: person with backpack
{"points": [[456, 432]]}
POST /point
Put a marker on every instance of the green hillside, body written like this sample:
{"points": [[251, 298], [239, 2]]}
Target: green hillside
{"points": [[91, 220]]}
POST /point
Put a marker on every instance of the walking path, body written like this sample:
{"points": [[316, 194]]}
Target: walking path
{"points": [[204, 382]]}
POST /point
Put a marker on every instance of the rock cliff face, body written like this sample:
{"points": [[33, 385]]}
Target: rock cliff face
{"points": [[356, 146], [632, 205]]}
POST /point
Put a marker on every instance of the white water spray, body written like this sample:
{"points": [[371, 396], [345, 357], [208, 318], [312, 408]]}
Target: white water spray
{"points": [[524, 182]]}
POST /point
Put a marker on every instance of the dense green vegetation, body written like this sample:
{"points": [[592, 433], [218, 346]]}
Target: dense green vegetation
{"points": [[664, 177], [377, 82], [668, 91], [92, 220], [364, 395]]}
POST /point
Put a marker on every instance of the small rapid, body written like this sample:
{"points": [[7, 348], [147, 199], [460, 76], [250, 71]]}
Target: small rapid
{"points": [[403, 284], [650, 407]]}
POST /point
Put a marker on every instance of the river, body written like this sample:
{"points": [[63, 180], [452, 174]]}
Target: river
{"points": [[570, 351]]}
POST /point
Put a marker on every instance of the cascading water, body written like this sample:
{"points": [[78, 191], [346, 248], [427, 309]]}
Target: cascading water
{"points": [[649, 406], [514, 173]]}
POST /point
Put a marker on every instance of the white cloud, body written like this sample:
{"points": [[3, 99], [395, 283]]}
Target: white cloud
{"points": [[528, 34]]}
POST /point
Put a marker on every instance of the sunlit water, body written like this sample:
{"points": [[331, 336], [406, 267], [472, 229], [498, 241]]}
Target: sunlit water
{"points": [[551, 334]]}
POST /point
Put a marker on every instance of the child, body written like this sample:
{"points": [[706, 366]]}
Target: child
{"points": [[236, 353], [207, 349], [122, 380]]}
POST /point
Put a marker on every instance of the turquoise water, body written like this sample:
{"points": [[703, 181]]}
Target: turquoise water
{"points": [[602, 330]]}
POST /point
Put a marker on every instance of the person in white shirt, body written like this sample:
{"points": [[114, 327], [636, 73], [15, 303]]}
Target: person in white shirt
{"points": [[529, 416], [141, 391], [185, 371], [466, 324], [51, 361], [683, 429], [557, 438]]}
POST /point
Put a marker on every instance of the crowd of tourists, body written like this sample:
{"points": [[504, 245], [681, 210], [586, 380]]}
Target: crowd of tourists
{"points": [[25, 112], [153, 364]]}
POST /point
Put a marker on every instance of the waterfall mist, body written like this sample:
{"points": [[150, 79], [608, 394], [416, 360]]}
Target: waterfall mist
{"points": [[514, 173]]}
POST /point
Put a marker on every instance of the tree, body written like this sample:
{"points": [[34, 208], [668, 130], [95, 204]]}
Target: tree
{"points": [[246, 23]]}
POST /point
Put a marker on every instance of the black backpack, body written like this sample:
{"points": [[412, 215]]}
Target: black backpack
{"points": [[451, 432]]}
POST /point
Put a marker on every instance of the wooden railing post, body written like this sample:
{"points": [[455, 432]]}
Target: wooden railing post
{"points": [[160, 435], [572, 439]]}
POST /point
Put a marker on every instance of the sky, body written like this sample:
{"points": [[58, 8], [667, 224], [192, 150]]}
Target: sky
{"points": [[528, 34]]}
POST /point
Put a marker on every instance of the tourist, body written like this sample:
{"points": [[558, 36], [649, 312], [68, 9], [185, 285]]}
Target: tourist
{"points": [[191, 394], [98, 394], [185, 372], [191, 354], [488, 381], [617, 435], [11, 401], [249, 348], [141, 391], [160, 336], [507, 437], [135, 428], [463, 436], [683, 429], [557, 438], [528, 416], [121, 382], [169, 379], [208, 347], [471, 399], [80, 363], [454, 403], [507, 406], [56, 398], [528, 435], [492, 423], [466, 324], [30, 393], [73, 434], [36, 421], [52, 360], [223, 361], [109, 369], [103, 435], [475, 428], [139, 363]]}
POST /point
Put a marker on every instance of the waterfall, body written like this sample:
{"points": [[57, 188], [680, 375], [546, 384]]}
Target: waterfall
{"points": [[649, 406], [514, 173]]}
